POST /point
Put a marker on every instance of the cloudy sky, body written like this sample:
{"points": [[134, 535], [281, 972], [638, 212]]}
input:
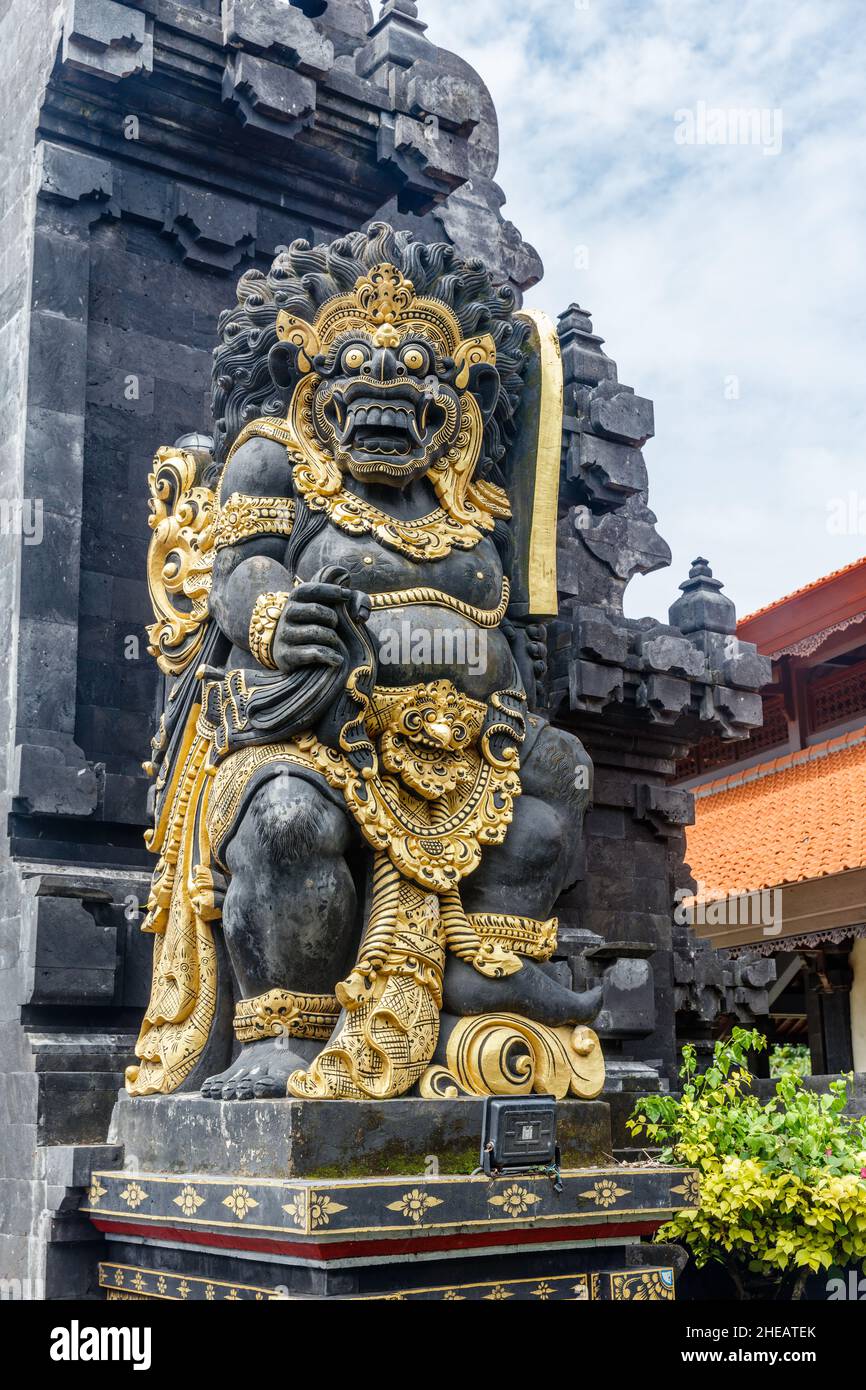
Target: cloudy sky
{"points": [[727, 282]]}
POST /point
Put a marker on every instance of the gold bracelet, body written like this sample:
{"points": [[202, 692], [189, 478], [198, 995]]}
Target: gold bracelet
{"points": [[267, 611], [287, 1013], [525, 936], [242, 518]]}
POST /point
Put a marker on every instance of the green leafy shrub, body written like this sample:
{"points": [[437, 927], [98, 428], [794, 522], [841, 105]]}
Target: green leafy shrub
{"points": [[783, 1182], [790, 1057]]}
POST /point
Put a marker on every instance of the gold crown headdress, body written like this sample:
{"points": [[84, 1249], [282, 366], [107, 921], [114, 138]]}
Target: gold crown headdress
{"points": [[385, 305]]}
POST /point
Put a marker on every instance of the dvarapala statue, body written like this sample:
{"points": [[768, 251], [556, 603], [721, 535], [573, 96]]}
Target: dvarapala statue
{"points": [[350, 772]]}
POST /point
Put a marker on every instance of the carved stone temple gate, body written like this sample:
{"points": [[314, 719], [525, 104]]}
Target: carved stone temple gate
{"points": [[157, 151]]}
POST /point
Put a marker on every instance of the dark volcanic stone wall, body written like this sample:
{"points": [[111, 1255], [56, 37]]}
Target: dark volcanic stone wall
{"points": [[151, 330], [26, 62]]}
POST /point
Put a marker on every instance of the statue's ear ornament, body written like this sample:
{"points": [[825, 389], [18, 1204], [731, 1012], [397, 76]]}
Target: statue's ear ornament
{"points": [[473, 352], [299, 334]]}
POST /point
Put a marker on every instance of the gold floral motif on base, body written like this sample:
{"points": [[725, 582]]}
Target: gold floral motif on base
{"points": [[643, 1286]]}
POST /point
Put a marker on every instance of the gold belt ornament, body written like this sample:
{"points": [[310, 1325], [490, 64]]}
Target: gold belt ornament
{"points": [[483, 617], [437, 792]]}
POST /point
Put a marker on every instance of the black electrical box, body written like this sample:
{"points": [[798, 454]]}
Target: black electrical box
{"points": [[518, 1133]]}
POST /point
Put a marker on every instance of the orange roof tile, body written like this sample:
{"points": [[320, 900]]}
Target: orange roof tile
{"points": [[804, 589], [798, 817], [810, 615]]}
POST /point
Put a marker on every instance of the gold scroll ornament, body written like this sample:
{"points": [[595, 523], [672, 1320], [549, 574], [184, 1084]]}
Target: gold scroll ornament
{"points": [[504, 1054], [179, 559], [182, 905]]}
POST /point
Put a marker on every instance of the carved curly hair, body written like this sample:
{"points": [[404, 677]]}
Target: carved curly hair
{"points": [[302, 278]]}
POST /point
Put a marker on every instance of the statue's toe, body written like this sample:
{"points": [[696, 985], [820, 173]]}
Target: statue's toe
{"points": [[232, 1081], [270, 1087], [215, 1086], [261, 1072]]}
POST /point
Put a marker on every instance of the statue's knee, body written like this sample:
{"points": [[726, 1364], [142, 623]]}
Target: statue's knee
{"points": [[294, 823], [537, 834], [559, 769]]}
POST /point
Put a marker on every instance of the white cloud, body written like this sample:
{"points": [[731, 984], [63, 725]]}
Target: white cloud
{"points": [[705, 262]]}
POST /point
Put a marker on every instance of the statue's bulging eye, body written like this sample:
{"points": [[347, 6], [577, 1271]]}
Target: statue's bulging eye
{"points": [[413, 359], [354, 359]]}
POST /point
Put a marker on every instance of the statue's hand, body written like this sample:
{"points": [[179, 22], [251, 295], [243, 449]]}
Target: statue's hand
{"points": [[306, 633]]}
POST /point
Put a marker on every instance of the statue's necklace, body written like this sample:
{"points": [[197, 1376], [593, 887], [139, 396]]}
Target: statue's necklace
{"points": [[428, 537]]}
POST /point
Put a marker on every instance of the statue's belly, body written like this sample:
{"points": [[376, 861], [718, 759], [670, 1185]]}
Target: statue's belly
{"points": [[474, 576], [421, 642]]}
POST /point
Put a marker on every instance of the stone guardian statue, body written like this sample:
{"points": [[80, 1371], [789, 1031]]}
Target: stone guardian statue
{"points": [[362, 821]]}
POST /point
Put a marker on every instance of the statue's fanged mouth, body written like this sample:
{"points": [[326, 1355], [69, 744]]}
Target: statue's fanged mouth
{"points": [[388, 430], [385, 421]]}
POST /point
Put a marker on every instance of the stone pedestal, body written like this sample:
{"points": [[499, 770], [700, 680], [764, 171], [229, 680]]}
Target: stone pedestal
{"points": [[333, 1139], [299, 1199]]}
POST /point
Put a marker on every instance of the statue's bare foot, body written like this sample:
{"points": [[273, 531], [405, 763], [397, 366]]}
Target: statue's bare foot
{"points": [[532, 992], [262, 1070]]}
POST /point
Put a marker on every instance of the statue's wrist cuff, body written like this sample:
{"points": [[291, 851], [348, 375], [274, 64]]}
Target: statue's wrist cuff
{"points": [[267, 611]]}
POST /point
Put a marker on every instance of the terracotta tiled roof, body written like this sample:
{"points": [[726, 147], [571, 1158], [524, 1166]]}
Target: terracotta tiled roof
{"points": [[806, 589], [798, 817]]}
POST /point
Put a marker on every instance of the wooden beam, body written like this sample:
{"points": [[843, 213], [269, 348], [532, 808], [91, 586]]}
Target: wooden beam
{"points": [[818, 905]]}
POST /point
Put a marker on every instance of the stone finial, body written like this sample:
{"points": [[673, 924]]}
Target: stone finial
{"points": [[703, 607], [399, 9], [399, 31], [574, 320]]}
